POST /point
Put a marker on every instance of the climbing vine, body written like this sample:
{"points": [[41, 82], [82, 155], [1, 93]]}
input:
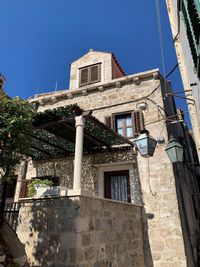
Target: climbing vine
{"points": [[16, 120]]}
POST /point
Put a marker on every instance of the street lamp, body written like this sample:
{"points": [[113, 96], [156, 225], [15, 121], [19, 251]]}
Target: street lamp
{"points": [[146, 144], [174, 151]]}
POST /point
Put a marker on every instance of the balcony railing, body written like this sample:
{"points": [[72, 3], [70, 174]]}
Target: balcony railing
{"points": [[11, 213]]}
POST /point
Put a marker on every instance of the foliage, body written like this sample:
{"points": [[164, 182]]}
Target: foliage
{"points": [[58, 122], [31, 186], [57, 114], [16, 119]]}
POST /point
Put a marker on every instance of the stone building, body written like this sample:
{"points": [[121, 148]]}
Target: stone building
{"points": [[185, 19], [163, 214]]}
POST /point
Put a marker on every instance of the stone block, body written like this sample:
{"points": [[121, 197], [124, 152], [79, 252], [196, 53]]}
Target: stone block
{"points": [[102, 252], [89, 253], [97, 224], [72, 255], [85, 239], [82, 225], [63, 255]]}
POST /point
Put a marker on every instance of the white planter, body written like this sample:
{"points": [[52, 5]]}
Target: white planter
{"points": [[46, 190]]}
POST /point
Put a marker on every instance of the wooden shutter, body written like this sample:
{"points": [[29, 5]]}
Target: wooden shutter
{"points": [[107, 192], [108, 122], [94, 73], [24, 188], [84, 76], [138, 122]]}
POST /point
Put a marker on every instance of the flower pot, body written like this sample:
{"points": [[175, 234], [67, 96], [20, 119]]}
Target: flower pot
{"points": [[46, 190]]}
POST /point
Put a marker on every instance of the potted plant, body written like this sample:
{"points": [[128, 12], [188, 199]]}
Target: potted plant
{"points": [[41, 188]]}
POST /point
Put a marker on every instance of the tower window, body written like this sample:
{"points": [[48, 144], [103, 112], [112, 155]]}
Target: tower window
{"points": [[90, 74]]}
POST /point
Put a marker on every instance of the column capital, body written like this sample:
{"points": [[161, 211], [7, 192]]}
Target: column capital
{"points": [[80, 121]]}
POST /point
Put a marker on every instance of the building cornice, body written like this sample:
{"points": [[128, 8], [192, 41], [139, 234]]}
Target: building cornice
{"points": [[137, 79]]}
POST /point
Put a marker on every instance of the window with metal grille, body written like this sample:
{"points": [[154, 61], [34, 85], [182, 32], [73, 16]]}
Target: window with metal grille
{"points": [[90, 74], [127, 124]]}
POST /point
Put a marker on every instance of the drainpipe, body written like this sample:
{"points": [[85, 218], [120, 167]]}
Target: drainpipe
{"points": [[80, 123]]}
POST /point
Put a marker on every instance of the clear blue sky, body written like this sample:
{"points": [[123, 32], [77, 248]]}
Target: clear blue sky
{"points": [[40, 38]]}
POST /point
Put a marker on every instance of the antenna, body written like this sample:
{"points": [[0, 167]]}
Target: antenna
{"points": [[56, 86], [37, 89]]}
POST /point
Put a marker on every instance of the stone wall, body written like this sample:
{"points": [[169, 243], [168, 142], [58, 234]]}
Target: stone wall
{"points": [[81, 231], [63, 168]]}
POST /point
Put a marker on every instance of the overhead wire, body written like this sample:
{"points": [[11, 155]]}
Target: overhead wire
{"points": [[166, 119], [149, 176], [160, 35], [175, 67]]}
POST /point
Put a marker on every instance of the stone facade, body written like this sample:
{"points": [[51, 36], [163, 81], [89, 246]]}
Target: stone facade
{"points": [[91, 168], [154, 180], [190, 74], [81, 232]]}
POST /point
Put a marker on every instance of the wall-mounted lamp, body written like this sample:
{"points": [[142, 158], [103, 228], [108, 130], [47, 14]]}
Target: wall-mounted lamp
{"points": [[174, 151], [146, 144]]}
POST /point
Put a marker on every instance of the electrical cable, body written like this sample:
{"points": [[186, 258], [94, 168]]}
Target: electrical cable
{"points": [[127, 102], [182, 97], [166, 119], [148, 169], [152, 92], [160, 39], [155, 103], [172, 71], [158, 107]]}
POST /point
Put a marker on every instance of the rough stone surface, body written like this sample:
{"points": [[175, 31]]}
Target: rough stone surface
{"points": [[63, 168], [81, 231], [154, 177]]}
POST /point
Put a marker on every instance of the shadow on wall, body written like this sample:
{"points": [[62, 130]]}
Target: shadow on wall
{"points": [[12, 251], [138, 198], [82, 231], [47, 231], [146, 244]]}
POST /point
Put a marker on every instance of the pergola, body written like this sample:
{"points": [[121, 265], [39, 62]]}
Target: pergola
{"points": [[69, 130]]}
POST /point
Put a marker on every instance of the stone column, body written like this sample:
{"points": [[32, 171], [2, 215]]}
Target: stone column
{"points": [[21, 176], [80, 122]]}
